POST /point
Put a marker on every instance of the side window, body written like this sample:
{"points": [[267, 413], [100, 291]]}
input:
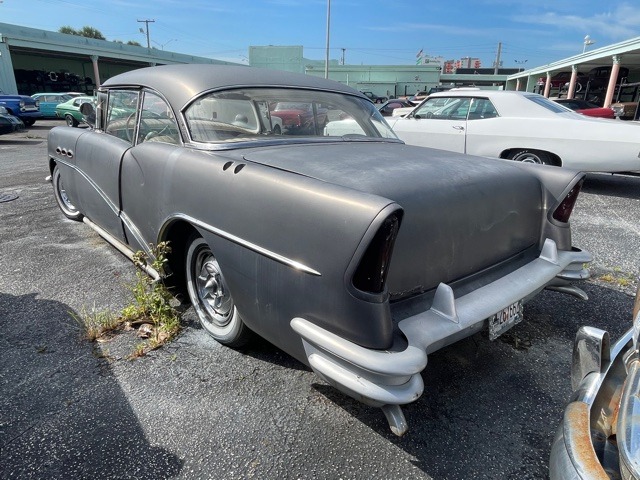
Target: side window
{"points": [[445, 108], [482, 108], [121, 114], [157, 122], [433, 105]]}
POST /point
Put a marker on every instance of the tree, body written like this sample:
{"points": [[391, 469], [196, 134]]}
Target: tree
{"points": [[133, 42], [85, 31], [91, 32], [68, 30]]}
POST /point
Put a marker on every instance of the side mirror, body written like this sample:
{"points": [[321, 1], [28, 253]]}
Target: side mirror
{"points": [[89, 112]]}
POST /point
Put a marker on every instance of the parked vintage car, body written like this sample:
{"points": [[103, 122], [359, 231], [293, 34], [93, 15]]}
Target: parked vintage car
{"points": [[561, 81], [356, 254], [9, 123], [598, 77], [375, 98], [586, 108], [70, 110], [49, 102], [599, 437], [300, 117], [387, 108], [520, 126], [27, 109]]}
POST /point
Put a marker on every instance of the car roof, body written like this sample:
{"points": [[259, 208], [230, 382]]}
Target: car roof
{"points": [[181, 83], [476, 92]]}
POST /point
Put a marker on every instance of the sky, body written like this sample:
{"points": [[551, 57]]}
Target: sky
{"points": [[374, 32]]}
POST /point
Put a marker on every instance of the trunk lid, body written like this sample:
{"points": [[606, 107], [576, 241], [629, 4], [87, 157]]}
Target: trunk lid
{"points": [[462, 214]]}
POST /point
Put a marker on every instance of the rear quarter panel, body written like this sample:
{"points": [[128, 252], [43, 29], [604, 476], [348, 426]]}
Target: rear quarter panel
{"points": [[315, 223]]}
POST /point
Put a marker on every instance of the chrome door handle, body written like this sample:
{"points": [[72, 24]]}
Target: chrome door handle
{"points": [[458, 127]]}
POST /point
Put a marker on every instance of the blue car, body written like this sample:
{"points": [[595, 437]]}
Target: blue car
{"points": [[49, 102], [25, 108]]}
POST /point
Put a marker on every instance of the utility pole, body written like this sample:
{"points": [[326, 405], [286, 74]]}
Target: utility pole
{"points": [[342, 61], [326, 61], [497, 65], [146, 24]]}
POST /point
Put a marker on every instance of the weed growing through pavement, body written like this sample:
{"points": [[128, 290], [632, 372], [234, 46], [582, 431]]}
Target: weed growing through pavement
{"points": [[150, 310], [96, 323]]}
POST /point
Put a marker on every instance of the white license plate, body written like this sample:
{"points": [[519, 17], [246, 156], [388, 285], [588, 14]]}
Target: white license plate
{"points": [[505, 319]]}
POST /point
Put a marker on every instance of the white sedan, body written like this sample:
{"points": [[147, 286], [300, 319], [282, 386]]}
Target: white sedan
{"points": [[520, 126]]}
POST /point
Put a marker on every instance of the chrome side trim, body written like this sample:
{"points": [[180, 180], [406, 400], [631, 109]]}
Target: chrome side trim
{"points": [[245, 243], [111, 205], [121, 247], [131, 227]]}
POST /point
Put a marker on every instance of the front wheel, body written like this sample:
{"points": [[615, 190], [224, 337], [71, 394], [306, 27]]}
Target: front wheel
{"points": [[210, 296], [59, 192], [531, 156], [71, 121], [29, 122]]}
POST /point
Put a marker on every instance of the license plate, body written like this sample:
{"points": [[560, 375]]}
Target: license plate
{"points": [[505, 319]]}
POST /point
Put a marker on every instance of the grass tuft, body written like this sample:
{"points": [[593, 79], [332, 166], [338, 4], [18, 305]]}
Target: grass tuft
{"points": [[150, 311]]}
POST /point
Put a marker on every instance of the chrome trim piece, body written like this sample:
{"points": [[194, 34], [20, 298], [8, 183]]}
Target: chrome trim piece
{"points": [[245, 243], [572, 453], [131, 227], [122, 248], [111, 205], [388, 379]]}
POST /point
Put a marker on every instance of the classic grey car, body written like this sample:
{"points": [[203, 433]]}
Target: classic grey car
{"points": [[599, 437], [354, 253]]}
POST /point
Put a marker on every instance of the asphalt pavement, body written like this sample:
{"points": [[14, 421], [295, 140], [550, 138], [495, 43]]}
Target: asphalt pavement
{"points": [[195, 409]]}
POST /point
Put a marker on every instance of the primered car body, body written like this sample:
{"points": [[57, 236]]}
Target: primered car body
{"points": [[354, 253], [521, 126], [599, 437]]}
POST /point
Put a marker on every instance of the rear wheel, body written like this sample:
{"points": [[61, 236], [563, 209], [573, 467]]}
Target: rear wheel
{"points": [[59, 192], [71, 122], [210, 296], [531, 156]]}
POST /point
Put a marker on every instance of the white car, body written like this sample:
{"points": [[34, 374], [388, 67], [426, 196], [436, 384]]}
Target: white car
{"points": [[520, 126]]}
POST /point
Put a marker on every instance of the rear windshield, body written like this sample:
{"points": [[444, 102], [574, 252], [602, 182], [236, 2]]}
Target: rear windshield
{"points": [[254, 114], [548, 104]]}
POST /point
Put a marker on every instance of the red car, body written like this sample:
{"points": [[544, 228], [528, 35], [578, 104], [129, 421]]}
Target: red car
{"points": [[300, 117], [561, 80], [586, 108]]}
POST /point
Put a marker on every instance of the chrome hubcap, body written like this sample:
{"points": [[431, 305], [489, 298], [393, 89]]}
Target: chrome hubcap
{"points": [[212, 290], [64, 197]]}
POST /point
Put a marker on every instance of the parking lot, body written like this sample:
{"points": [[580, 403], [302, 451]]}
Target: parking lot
{"points": [[195, 409]]}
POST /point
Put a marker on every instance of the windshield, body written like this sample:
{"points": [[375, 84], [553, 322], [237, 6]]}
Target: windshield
{"points": [[254, 114]]}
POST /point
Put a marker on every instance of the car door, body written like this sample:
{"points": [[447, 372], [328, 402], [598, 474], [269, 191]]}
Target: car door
{"points": [[440, 122], [146, 171], [484, 134], [98, 159]]}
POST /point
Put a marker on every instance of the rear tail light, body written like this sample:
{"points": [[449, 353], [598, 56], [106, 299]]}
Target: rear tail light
{"points": [[371, 274], [563, 211]]}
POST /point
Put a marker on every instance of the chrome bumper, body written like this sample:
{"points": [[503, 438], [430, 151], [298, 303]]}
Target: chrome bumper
{"points": [[389, 379], [606, 383]]}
